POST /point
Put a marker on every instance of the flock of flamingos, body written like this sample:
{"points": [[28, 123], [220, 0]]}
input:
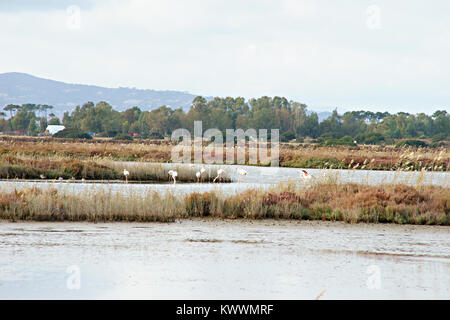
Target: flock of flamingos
{"points": [[305, 176]]}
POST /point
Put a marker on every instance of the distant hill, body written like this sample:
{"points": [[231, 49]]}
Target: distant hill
{"points": [[20, 88]]}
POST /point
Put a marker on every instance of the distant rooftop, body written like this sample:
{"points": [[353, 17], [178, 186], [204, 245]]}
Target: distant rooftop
{"points": [[52, 129]]}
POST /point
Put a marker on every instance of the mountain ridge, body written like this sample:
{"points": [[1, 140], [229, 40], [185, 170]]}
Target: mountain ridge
{"points": [[21, 88]]}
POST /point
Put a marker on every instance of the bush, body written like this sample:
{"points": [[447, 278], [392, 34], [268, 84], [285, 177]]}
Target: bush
{"points": [[155, 135], [287, 136], [123, 136], [72, 133], [111, 133], [370, 138], [412, 143], [344, 141]]}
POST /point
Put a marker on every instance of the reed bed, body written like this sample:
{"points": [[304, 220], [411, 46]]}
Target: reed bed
{"points": [[141, 171], [21, 168], [38, 205], [367, 158], [330, 201], [87, 149], [290, 155], [56, 167]]}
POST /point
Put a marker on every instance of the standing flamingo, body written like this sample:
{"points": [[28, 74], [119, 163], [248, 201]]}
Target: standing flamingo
{"points": [[173, 174], [242, 174], [202, 171], [126, 174], [305, 176], [220, 175]]}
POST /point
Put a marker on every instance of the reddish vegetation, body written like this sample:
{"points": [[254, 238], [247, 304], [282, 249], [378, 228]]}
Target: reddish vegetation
{"points": [[350, 202], [290, 155]]}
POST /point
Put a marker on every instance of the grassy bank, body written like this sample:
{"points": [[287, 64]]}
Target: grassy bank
{"points": [[335, 202], [367, 158], [20, 167], [291, 155]]}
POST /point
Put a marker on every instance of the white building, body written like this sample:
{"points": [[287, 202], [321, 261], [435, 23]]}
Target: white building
{"points": [[52, 129]]}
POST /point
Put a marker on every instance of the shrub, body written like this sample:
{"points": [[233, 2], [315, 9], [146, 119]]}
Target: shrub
{"points": [[412, 143], [370, 138], [123, 136], [287, 136], [72, 133], [155, 135], [344, 141]]}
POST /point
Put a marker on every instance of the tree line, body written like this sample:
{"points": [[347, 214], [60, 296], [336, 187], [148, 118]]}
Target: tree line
{"points": [[292, 119]]}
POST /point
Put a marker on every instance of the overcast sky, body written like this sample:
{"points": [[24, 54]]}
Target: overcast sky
{"points": [[377, 55]]}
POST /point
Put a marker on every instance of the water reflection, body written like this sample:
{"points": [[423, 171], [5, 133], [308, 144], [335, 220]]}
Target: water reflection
{"points": [[257, 178], [212, 259]]}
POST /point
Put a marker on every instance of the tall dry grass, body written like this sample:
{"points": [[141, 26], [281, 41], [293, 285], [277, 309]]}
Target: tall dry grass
{"points": [[367, 158], [37, 205], [54, 167], [301, 156], [15, 167], [322, 201], [142, 171]]}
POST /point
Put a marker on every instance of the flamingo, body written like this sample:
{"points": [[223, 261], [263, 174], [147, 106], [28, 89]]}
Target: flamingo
{"points": [[126, 174], [202, 171], [220, 174], [305, 176], [173, 174], [242, 173]]}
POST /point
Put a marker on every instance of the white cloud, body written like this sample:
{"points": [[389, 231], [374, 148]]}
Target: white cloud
{"points": [[317, 52]]}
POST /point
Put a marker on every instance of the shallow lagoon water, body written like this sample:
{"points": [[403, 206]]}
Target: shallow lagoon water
{"points": [[257, 178], [216, 259], [274, 175]]}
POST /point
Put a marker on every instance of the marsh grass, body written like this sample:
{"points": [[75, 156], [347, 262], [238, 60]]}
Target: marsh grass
{"points": [[367, 158], [291, 155], [320, 201], [26, 167], [50, 205], [18, 168], [141, 171]]}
